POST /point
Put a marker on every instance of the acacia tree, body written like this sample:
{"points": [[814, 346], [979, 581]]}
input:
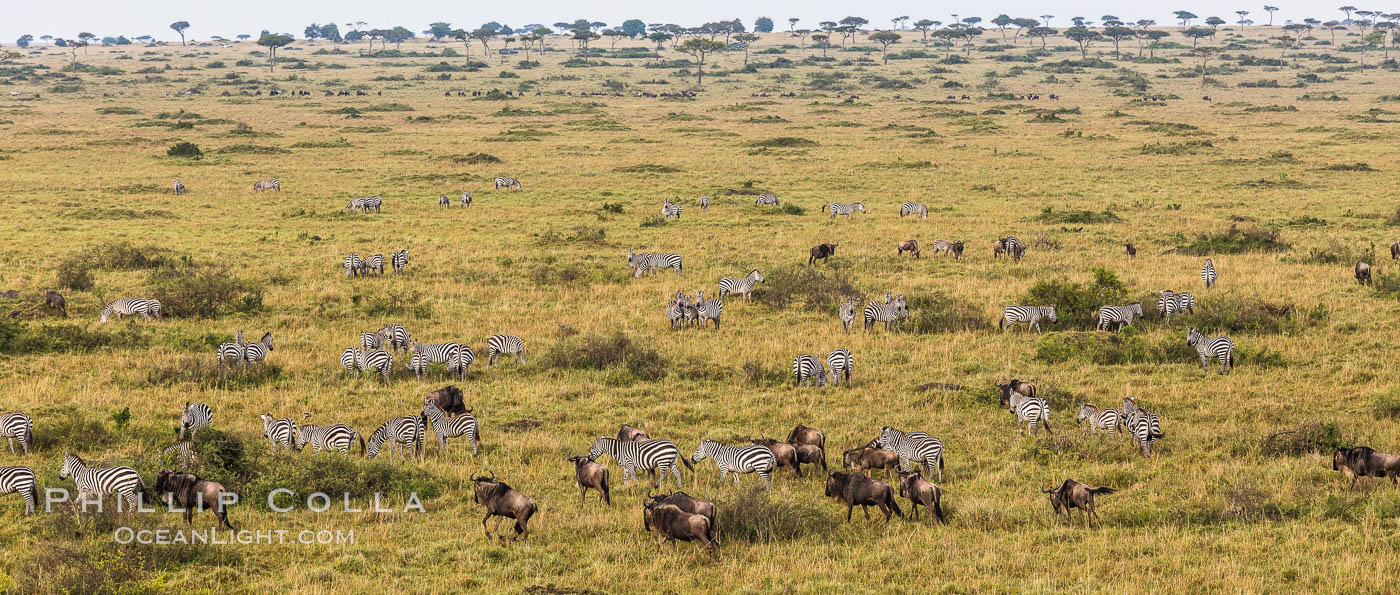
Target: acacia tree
{"points": [[24, 40], [1331, 27], [1197, 33], [821, 40], [1082, 36], [1154, 41], [179, 27], [698, 49], [1205, 53], [439, 30], [1214, 23], [1002, 22], [463, 36], [922, 26], [1042, 33], [272, 42], [86, 38], [1347, 10], [1022, 24], [1271, 10], [614, 36], [1185, 16], [745, 40], [792, 24], [660, 39], [484, 35], [885, 39], [1117, 33]]}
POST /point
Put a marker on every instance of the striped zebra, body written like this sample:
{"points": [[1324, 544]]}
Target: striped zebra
{"points": [[103, 481], [395, 336], [335, 437], [353, 265], [742, 285], [466, 199], [370, 341], [643, 262], [371, 203], [179, 186], [1099, 419], [1027, 314], [1142, 425], [840, 363], [913, 208], [890, 312], [356, 204], [144, 307], [1185, 302], [232, 352], [767, 198], [443, 202], [1208, 273], [947, 247], [1167, 305], [707, 310], [182, 452], [738, 459], [406, 431], [279, 429], [418, 364], [256, 352], [914, 446], [434, 353], [677, 309], [465, 357], [18, 425], [1120, 315], [444, 427], [193, 417], [1030, 411], [704, 203], [20, 480], [507, 183], [807, 369], [399, 260], [847, 313], [273, 184], [373, 263], [499, 345], [1014, 248], [848, 210], [645, 455], [670, 209], [379, 361], [350, 359], [1221, 348]]}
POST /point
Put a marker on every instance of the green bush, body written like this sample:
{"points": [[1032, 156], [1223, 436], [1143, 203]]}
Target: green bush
{"points": [[1234, 241], [206, 371], [815, 289], [598, 352], [783, 141], [381, 305], [19, 337], [334, 474], [792, 209], [185, 149], [203, 291], [1387, 403], [1049, 215], [1311, 438], [1228, 313], [940, 312], [1126, 348], [1076, 303]]}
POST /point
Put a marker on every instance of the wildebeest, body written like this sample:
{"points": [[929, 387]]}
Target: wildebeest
{"points": [[856, 489], [1363, 272], [784, 453], [192, 494], [1025, 388], [11, 294], [449, 400], [54, 299], [670, 523], [503, 501], [920, 491], [821, 252], [1395, 250], [998, 247], [1362, 461], [588, 474], [631, 434], [801, 434], [1132, 250], [1073, 494], [908, 246], [862, 459], [808, 454], [689, 504]]}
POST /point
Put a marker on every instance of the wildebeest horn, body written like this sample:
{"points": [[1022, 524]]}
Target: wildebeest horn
{"points": [[1046, 491]]}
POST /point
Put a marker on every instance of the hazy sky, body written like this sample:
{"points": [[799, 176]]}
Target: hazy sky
{"points": [[229, 18]]}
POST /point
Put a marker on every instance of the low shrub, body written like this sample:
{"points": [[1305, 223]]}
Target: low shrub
{"points": [[1076, 303], [1126, 348], [755, 516], [206, 371], [1228, 313], [1049, 215], [939, 312], [1310, 438], [21, 337], [381, 305], [792, 209], [185, 149], [599, 352], [812, 288], [1234, 241], [782, 141], [203, 291]]}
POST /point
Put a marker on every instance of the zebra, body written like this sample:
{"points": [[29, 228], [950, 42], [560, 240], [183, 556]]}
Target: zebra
{"points": [[1208, 273], [704, 203], [370, 341], [890, 312], [808, 369], [913, 208], [443, 202], [743, 285], [371, 202], [1014, 248], [739, 459], [146, 308], [645, 455], [256, 352], [379, 360], [353, 265], [1218, 347], [677, 310], [466, 199], [350, 359], [1030, 411], [847, 313], [643, 262], [273, 184], [499, 345], [406, 431], [279, 429], [445, 427], [418, 364], [182, 452], [465, 357], [1185, 302], [1105, 419], [767, 198], [670, 209], [330, 438], [373, 263], [844, 209], [103, 481], [707, 310], [914, 446], [434, 353], [356, 204], [395, 336], [20, 480], [947, 247], [1028, 314], [18, 425], [179, 186], [399, 260], [1120, 315], [193, 417], [232, 352], [1167, 304], [1142, 425], [507, 183], [840, 363]]}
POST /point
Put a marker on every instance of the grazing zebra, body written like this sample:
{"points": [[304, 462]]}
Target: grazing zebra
{"points": [[1142, 425], [1208, 273], [103, 481], [807, 369], [379, 361], [1120, 315], [20, 480], [353, 265], [743, 285], [739, 459], [370, 341], [507, 183], [273, 184], [146, 308], [1185, 302], [373, 263], [1015, 248], [395, 336], [356, 204], [1028, 314], [193, 417], [677, 310], [464, 360], [1221, 348], [499, 345], [890, 312], [1029, 411], [418, 364], [443, 202], [179, 186], [1099, 419], [767, 198], [232, 352], [406, 431], [434, 353], [182, 452], [847, 313], [330, 438], [839, 362], [257, 352], [445, 427], [643, 262], [279, 429], [914, 446], [399, 260], [371, 203], [645, 455], [947, 247], [466, 199], [913, 208], [670, 209], [18, 425], [707, 310], [704, 203], [844, 209], [1167, 305], [350, 359]]}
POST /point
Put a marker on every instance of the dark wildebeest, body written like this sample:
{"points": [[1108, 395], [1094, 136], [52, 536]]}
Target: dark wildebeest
{"points": [[449, 400], [1073, 494], [55, 300], [908, 246], [856, 489], [670, 523], [503, 501], [691, 505], [862, 459], [1362, 461], [920, 491], [11, 294], [821, 252], [1132, 250], [192, 494], [998, 247], [1363, 272], [1395, 250], [810, 455], [631, 434], [588, 474], [1025, 388], [784, 453], [804, 435]]}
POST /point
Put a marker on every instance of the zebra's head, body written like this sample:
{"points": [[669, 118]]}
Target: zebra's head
{"points": [[1129, 405], [1193, 337], [886, 437], [1050, 313], [860, 206], [705, 449], [1135, 308], [757, 276], [1085, 411], [71, 463], [631, 258], [267, 424], [267, 340], [600, 446], [820, 374]]}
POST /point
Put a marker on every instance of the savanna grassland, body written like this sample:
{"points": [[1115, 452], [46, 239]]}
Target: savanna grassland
{"points": [[1285, 178]]}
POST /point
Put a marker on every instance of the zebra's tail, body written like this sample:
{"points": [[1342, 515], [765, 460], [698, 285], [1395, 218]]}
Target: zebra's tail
{"points": [[688, 465], [1002, 323], [823, 208], [423, 429], [362, 443], [1046, 422]]}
